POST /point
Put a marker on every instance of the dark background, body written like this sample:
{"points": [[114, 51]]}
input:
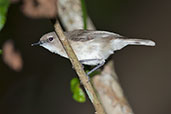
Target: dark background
{"points": [[42, 87]]}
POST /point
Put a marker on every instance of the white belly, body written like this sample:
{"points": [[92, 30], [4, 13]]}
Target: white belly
{"points": [[88, 51]]}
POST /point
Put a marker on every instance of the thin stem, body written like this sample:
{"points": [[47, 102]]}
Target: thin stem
{"points": [[0, 51], [84, 13], [78, 67]]}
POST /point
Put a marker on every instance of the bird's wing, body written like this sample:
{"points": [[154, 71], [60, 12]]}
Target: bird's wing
{"points": [[86, 35]]}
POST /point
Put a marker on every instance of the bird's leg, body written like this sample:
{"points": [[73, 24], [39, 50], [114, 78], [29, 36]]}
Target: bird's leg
{"points": [[87, 60], [95, 68]]}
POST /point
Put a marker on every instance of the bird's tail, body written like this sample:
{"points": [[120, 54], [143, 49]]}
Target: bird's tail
{"points": [[118, 44], [140, 42]]}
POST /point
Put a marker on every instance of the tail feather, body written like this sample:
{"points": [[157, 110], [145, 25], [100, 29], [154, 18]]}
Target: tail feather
{"points": [[140, 42], [120, 43]]}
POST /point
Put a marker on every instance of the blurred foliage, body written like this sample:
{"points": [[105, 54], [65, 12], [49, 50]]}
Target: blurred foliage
{"points": [[78, 93], [84, 13], [4, 4], [0, 51]]}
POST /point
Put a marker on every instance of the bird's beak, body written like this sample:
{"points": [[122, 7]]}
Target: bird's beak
{"points": [[38, 43]]}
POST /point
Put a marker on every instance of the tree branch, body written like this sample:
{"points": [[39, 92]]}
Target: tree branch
{"points": [[110, 92], [106, 84], [78, 67]]}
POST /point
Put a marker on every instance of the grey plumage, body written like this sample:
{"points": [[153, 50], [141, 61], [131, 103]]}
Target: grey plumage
{"points": [[90, 44]]}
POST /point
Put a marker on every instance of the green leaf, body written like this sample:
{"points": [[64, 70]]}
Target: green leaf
{"points": [[0, 51], [74, 83], [78, 93], [3, 11]]}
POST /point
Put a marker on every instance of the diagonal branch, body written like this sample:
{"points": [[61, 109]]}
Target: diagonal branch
{"points": [[78, 67]]}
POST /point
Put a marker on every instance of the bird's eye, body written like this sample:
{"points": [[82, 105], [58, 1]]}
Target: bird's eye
{"points": [[50, 38]]}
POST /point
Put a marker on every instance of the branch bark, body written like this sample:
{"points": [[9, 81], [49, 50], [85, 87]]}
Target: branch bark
{"points": [[106, 85], [110, 92]]}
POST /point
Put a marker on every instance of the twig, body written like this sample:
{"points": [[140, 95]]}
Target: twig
{"points": [[84, 12], [78, 67]]}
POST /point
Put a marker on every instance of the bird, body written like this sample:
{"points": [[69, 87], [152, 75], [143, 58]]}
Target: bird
{"points": [[92, 47]]}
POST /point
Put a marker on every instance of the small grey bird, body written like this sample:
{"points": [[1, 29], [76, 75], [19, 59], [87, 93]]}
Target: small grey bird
{"points": [[90, 46]]}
